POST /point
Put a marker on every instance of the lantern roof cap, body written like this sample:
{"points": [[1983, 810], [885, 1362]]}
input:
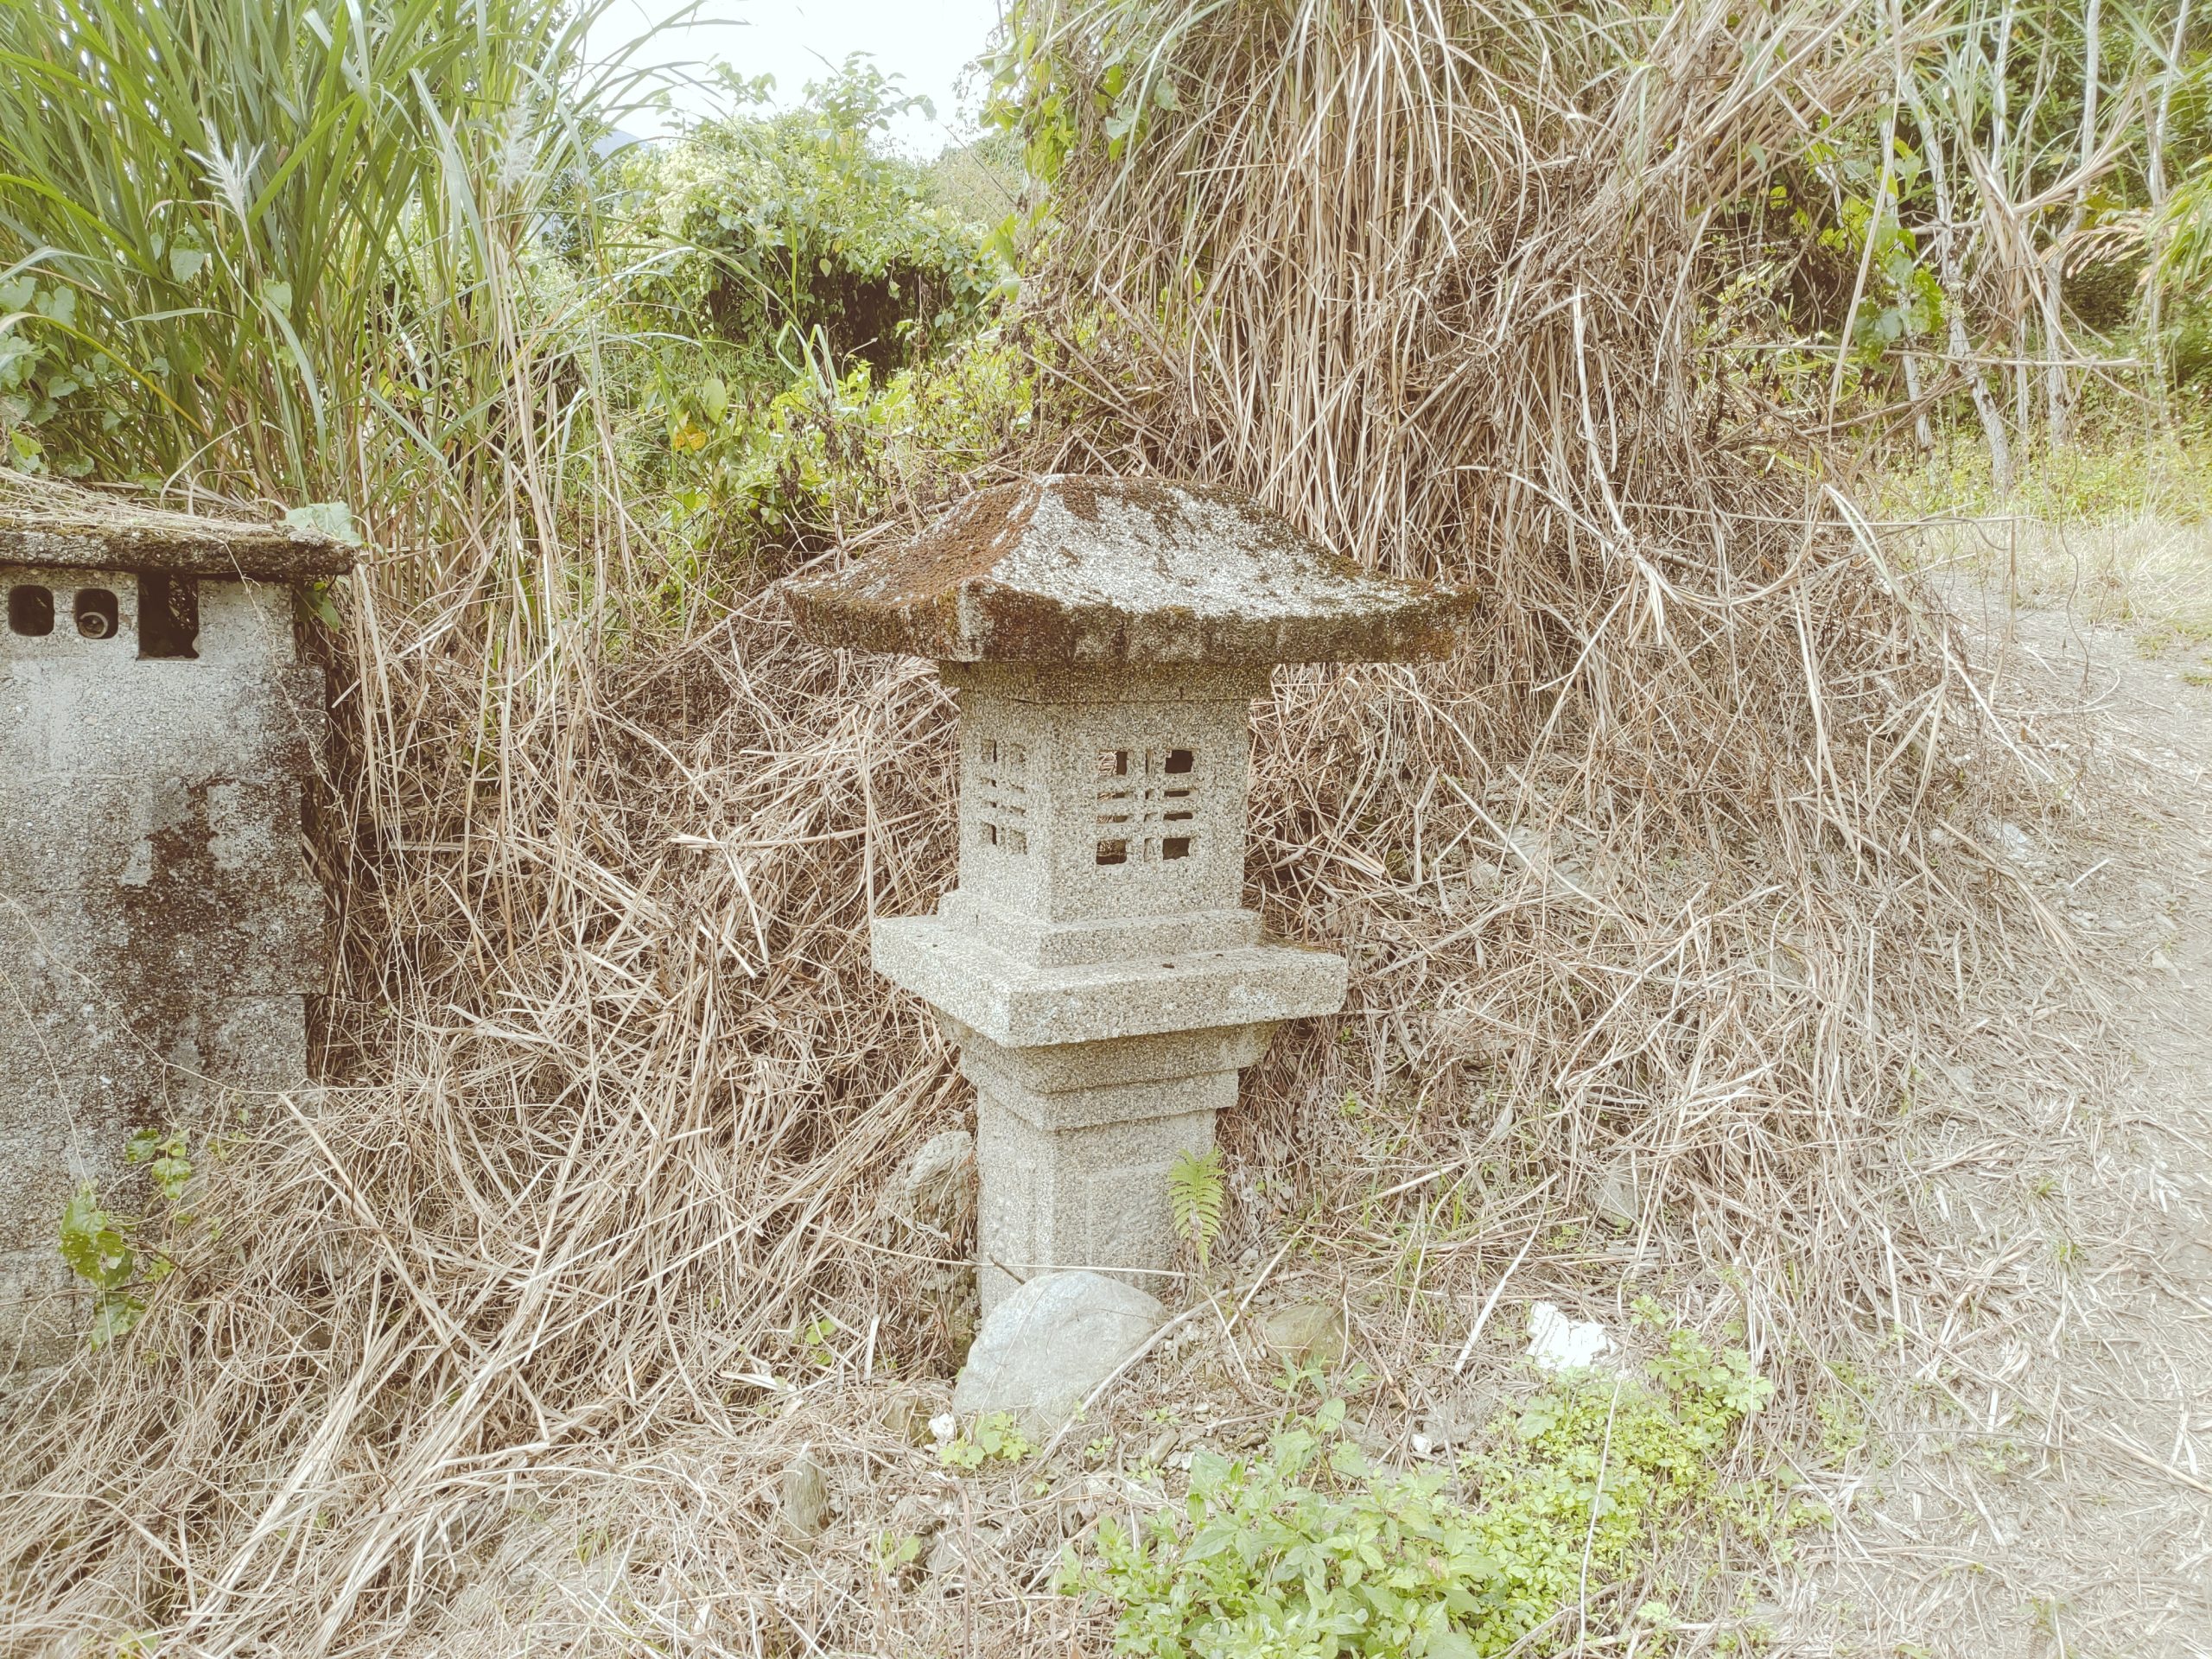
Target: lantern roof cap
{"points": [[1075, 569]]}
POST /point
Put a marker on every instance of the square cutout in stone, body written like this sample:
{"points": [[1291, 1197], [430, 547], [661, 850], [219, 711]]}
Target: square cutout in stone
{"points": [[168, 615], [30, 610], [97, 616], [1001, 794]]}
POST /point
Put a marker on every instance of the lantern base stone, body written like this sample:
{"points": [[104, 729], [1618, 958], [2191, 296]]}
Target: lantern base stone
{"points": [[1091, 1079], [1074, 1142], [1094, 1197]]}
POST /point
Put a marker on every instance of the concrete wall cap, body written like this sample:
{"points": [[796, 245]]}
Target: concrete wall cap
{"points": [[1073, 569], [45, 522]]}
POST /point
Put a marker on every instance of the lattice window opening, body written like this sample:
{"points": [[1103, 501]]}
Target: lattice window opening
{"points": [[1001, 795], [1143, 794]]}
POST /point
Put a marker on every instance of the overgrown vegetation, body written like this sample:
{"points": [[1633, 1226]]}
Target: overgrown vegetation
{"points": [[1658, 898]]}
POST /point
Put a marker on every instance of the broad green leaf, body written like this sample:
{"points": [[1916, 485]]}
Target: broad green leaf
{"points": [[331, 518]]}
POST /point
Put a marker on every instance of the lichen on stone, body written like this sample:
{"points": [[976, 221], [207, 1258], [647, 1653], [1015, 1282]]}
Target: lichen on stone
{"points": [[1102, 570]]}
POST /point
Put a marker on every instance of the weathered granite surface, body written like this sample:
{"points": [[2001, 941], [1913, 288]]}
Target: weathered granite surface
{"points": [[1097, 961], [160, 931], [1104, 809], [1078, 1140], [60, 526], [1012, 1003], [1049, 1344], [1076, 570]]}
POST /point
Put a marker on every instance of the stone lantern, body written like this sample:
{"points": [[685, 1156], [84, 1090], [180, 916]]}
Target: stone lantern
{"points": [[1096, 961], [159, 930]]}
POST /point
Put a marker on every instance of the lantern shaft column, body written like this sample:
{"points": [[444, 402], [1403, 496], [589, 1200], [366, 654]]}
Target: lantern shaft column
{"points": [[1075, 1142], [1091, 1079]]}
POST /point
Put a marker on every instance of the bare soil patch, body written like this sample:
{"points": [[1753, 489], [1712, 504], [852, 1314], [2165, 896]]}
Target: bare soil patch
{"points": [[2039, 1479]]}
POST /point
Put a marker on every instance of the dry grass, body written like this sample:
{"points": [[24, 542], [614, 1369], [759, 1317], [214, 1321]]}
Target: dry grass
{"points": [[1667, 887], [2149, 575], [1650, 862], [2035, 1477]]}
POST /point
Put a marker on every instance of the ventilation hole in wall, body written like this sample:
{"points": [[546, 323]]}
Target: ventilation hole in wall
{"points": [[1179, 760], [1175, 847], [1178, 818], [168, 615], [1113, 763], [97, 615], [30, 610], [990, 752], [1016, 840], [991, 832], [1116, 851], [1016, 755]]}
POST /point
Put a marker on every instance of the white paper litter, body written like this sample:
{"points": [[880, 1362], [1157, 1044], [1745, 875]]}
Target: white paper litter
{"points": [[1559, 1344]]}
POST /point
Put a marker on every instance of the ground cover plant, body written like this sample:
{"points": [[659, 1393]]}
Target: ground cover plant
{"points": [[1308, 1547], [1667, 899]]}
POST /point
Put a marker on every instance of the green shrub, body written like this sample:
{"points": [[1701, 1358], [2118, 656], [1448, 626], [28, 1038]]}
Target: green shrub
{"points": [[799, 233], [241, 221], [757, 475]]}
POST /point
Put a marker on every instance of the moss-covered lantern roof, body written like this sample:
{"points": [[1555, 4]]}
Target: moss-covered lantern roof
{"points": [[1073, 569]]}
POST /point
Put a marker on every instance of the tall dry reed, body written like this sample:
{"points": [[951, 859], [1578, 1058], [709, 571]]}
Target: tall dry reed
{"points": [[1653, 880]]}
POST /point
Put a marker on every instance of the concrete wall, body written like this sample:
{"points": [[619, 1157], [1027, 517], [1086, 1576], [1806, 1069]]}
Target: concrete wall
{"points": [[160, 931]]}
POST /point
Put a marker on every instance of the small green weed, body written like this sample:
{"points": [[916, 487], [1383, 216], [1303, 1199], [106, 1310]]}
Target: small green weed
{"points": [[163, 1155], [994, 1435], [1843, 1423], [105, 1249], [1194, 1198], [896, 1552], [814, 1339], [99, 1247]]}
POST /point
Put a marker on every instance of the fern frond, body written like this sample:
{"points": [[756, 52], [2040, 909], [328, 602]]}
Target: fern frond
{"points": [[1194, 1199]]}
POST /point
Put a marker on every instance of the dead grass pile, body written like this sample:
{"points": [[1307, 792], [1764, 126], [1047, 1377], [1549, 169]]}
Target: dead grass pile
{"points": [[1651, 911], [1652, 882]]}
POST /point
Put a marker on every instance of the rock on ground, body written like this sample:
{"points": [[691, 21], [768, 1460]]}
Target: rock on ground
{"points": [[1307, 1333], [1047, 1345], [805, 1498]]}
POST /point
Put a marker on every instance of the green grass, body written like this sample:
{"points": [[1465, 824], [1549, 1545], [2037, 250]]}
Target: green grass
{"points": [[2121, 470], [2117, 528], [276, 246]]}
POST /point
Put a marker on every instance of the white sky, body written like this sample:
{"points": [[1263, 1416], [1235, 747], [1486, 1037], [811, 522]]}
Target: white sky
{"points": [[926, 42]]}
